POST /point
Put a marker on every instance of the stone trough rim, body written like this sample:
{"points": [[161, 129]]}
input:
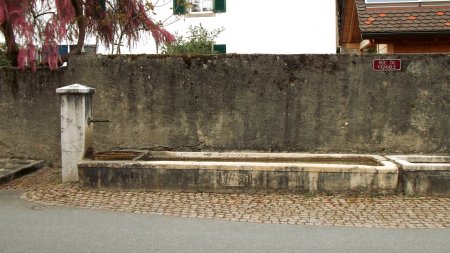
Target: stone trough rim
{"points": [[385, 167], [406, 165]]}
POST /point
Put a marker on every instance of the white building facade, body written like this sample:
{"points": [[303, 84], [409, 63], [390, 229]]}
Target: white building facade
{"points": [[253, 26]]}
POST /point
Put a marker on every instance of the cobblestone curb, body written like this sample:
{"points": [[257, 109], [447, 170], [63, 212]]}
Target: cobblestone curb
{"points": [[45, 187]]}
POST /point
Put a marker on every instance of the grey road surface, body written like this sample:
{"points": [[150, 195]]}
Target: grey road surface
{"points": [[31, 227]]}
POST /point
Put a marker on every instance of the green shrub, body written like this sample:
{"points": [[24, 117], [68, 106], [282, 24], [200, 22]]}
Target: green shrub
{"points": [[4, 61], [198, 41]]}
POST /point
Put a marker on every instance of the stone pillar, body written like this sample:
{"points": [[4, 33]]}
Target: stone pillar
{"points": [[76, 130]]}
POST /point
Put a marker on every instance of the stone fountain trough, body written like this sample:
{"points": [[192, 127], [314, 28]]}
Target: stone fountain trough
{"points": [[238, 172], [423, 174]]}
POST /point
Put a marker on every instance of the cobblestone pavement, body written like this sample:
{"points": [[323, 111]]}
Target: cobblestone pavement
{"points": [[44, 186]]}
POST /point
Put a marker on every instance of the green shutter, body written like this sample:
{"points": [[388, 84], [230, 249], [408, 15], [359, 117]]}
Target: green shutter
{"points": [[220, 48], [179, 7], [102, 4], [220, 6]]}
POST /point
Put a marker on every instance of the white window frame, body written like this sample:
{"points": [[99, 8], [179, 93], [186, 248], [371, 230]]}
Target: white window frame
{"points": [[200, 6]]}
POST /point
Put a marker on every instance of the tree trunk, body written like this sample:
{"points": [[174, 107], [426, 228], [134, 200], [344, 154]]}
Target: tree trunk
{"points": [[11, 45], [81, 30]]}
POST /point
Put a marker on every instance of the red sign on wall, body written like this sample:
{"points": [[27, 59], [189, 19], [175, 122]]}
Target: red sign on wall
{"points": [[387, 64]]}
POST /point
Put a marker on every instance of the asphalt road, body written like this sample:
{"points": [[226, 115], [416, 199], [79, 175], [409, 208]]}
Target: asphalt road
{"points": [[31, 227]]}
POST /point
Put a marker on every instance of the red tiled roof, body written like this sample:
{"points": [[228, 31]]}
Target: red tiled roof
{"points": [[403, 20]]}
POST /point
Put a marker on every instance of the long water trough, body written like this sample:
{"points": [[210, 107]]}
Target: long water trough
{"points": [[239, 172]]}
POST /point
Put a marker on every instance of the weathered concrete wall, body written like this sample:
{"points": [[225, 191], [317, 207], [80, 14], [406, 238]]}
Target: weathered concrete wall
{"points": [[316, 103], [29, 114]]}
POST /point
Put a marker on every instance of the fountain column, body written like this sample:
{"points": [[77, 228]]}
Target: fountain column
{"points": [[76, 128]]}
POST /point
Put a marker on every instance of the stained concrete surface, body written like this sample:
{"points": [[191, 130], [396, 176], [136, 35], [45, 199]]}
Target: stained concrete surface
{"points": [[11, 168], [31, 227], [295, 103]]}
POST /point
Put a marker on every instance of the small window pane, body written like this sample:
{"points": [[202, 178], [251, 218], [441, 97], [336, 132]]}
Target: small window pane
{"points": [[195, 6], [207, 5], [201, 5]]}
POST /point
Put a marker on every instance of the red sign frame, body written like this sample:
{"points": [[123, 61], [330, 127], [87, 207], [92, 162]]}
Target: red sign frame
{"points": [[387, 65]]}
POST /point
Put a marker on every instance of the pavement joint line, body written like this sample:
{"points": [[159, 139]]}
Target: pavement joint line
{"points": [[393, 211]]}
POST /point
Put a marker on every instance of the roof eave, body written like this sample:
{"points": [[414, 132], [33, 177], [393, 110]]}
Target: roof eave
{"points": [[372, 35]]}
